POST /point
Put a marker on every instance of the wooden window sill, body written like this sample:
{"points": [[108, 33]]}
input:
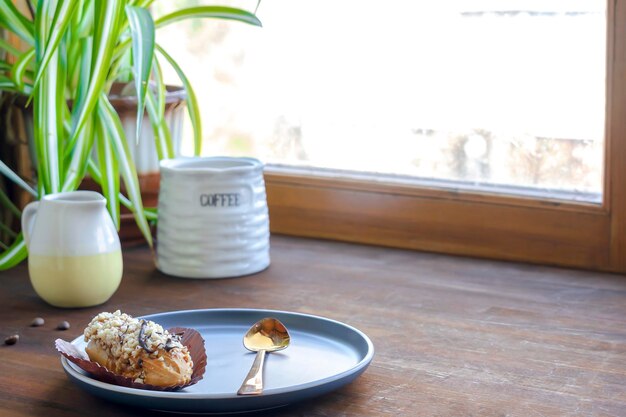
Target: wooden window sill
{"points": [[453, 336], [473, 223]]}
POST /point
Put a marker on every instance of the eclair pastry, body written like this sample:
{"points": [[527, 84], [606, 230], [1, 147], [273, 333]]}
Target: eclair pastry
{"points": [[138, 349]]}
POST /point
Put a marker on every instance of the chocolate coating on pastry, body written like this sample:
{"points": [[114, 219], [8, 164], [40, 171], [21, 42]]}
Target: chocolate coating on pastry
{"points": [[142, 341]]}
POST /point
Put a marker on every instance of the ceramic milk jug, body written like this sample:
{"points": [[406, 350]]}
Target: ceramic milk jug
{"points": [[74, 253], [213, 218]]}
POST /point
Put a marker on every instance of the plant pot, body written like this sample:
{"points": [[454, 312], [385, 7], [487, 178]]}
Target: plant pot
{"points": [[144, 150], [16, 139]]}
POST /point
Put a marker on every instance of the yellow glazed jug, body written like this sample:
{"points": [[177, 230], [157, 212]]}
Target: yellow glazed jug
{"points": [[74, 252]]}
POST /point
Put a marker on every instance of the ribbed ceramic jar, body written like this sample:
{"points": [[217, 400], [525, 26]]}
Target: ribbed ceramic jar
{"points": [[213, 218]]}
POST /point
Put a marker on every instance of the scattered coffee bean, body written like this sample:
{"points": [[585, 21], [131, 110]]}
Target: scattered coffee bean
{"points": [[11, 340], [64, 325], [37, 321]]}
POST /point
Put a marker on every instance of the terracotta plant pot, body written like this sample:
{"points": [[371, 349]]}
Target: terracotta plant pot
{"points": [[144, 150]]}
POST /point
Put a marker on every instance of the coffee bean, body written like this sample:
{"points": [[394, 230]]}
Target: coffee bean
{"points": [[11, 340], [64, 325], [37, 321]]}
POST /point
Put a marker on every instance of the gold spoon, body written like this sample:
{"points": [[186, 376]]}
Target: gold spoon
{"points": [[266, 335]]}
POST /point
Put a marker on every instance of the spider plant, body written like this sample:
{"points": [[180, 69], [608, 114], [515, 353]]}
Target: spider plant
{"points": [[74, 51]]}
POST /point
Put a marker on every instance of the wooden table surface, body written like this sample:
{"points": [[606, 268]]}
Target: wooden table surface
{"points": [[453, 336]]}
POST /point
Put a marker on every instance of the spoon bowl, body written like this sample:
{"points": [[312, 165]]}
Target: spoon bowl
{"points": [[266, 335]]}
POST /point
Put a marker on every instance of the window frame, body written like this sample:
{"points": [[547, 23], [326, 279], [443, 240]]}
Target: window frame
{"points": [[473, 223]]}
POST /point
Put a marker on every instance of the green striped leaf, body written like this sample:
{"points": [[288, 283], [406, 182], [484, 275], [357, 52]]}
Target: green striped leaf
{"points": [[192, 101], [49, 102], [7, 84], [161, 90], [121, 68], [41, 100], [156, 113], [162, 135], [6, 202], [113, 125], [14, 255], [73, 63], [143, 3], [84, 73], [150, 213], [110, 181], [9, 48], [58, 27], [142, 33], [20, 66], [220, 12], [80, 152], [84, 19], [108, 15], [10, 174], [15, 21]]}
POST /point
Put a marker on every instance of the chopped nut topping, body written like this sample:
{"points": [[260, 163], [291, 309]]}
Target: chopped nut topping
{"points": [[128, 339]]}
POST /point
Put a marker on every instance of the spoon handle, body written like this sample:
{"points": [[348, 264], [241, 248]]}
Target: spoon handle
{"points": [[253, 384]]}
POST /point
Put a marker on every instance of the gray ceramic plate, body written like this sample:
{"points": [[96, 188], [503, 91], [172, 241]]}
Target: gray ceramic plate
{"points": [[323, 356]]}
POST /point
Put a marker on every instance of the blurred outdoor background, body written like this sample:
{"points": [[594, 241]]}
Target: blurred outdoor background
{"points": [[504, 92]]}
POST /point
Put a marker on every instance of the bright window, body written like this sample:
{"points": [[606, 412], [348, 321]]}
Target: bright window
{"points": [[508, 93]]}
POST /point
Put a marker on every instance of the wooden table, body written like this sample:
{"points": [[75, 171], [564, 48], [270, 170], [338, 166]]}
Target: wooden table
{"points": [[453, 336]]}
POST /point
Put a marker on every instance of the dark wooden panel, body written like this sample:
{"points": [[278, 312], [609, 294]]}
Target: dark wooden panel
{"points": [[453, 336]]}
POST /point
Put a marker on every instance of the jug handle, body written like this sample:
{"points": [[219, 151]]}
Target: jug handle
{"points": [[28, 218]]}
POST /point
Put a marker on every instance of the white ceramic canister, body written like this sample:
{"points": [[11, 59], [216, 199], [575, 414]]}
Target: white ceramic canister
{"points": [[213, 218], [74, 252]]}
